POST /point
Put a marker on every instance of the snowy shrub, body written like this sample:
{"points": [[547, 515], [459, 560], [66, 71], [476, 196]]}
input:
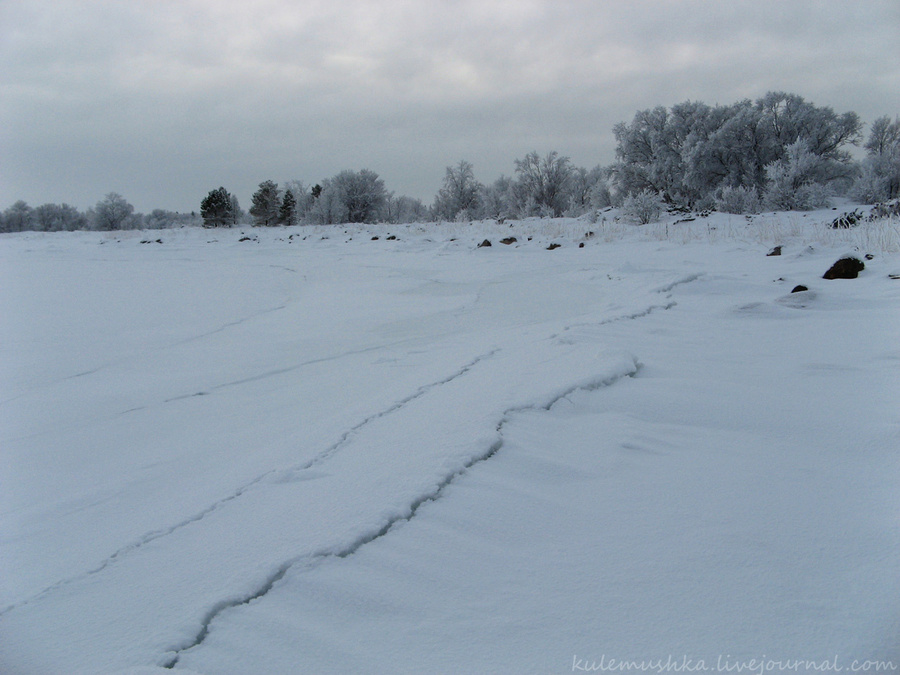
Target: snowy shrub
{"points": [[813, 196], [738, 200], [887, 210], [792, 182], [643, 207], [705, 204], [870, 186], [600, 196]]}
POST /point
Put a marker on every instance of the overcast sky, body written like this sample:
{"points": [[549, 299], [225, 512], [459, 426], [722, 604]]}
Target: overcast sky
{"points": [[164, 100]]}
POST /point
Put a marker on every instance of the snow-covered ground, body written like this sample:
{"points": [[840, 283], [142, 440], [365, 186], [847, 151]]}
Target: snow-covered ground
{"points": [[314, 451]]}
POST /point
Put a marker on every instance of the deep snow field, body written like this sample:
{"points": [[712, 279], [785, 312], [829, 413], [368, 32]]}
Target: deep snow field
{"points": [[316, 452]]}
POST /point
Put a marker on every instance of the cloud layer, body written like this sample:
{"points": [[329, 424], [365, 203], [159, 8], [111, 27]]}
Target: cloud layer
{"points": [[164, 100]]}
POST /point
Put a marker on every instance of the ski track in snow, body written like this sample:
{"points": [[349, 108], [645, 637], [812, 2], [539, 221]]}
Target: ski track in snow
{"points": [[284, 474], [310, 561]]}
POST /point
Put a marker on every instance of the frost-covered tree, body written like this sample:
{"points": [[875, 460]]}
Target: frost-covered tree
{"points": [[351, 197], [723, 149], [364, 195], [266, 204], [884, 137], [328, 207], [687, 153], [59, 218], [303, 198], [404, 209], [601, 195], [113, 212], [217, 209], [789, 118], [237, 213], [45, 217], [649, 154], [498, 199], [543, 184], [581, 186], [18, 218], [879, 178], [458, 198], [160, 219]]}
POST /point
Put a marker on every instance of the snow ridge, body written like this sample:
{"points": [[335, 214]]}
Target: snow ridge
{"points": [[274, 475], [590, 384]]}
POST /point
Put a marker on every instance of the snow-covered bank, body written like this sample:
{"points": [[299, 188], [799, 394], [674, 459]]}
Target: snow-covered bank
{"points": [[341, 454]]}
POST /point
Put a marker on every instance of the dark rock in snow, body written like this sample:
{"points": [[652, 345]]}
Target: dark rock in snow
{"points": [[486, 242], [799, 289], [391, 237], [774, 251], [869, 256], [554, 246], [581, 245], [845, 268], [509, 240], [375, 238]]}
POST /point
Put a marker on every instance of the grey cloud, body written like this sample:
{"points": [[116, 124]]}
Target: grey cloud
{"points": [[164, 100]]}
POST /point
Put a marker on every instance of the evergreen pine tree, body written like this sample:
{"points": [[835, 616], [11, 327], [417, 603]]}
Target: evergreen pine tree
{"points": [[287, 214], [266, 203], [217, 209]]}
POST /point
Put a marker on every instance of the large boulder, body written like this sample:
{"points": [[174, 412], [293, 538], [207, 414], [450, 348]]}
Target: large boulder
{"points": [[845, 268]]}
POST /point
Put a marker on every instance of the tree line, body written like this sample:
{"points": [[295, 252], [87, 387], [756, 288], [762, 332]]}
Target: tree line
{"points": [[113, 212], [779, 152]]}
